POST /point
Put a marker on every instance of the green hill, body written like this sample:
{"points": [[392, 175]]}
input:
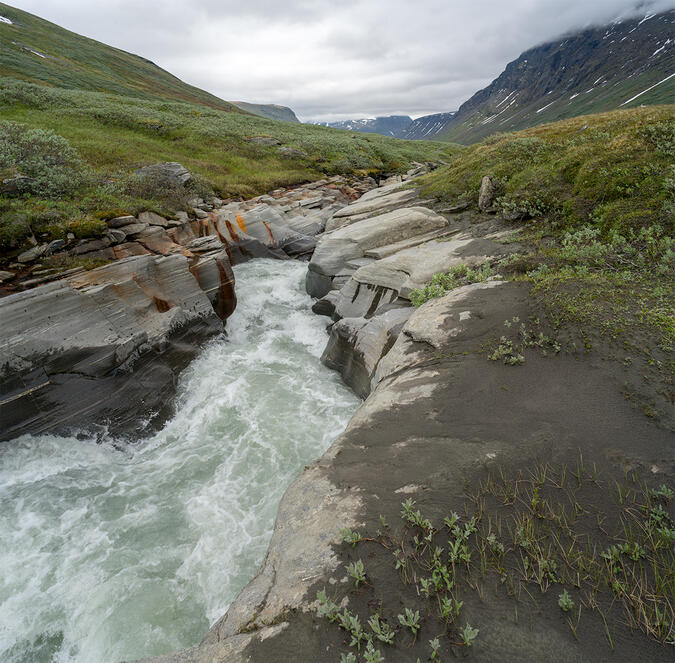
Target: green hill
{"points": [[37, 51]]}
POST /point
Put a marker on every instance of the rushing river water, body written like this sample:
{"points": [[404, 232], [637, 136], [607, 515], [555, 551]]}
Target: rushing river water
{"points": [[117, 551]]}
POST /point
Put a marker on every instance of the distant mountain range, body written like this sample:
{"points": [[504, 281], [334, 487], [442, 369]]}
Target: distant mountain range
{"points": [[619, 65], [622, 64], [391, 125], [270, 111]]}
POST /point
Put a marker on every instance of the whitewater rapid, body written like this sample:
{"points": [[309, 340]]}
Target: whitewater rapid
{"points": [[119, 550]]}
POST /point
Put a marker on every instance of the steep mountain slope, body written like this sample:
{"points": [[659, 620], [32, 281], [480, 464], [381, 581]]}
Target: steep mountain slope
{"points": [[37, 51], [391, 125], [621, 65], [269, 111], [428, 126]]}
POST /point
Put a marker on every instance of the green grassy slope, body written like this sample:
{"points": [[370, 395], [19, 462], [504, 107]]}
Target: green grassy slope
{"points": [[114, 135], [595, 197], [38, 51]]}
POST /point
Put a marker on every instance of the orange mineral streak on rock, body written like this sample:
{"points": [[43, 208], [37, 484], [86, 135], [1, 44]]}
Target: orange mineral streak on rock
{"points": [[162, 305], [269, 232], [241, 223], [233, 233]]}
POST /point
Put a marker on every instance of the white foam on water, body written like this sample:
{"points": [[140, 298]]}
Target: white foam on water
{"points": [[118, 551]]}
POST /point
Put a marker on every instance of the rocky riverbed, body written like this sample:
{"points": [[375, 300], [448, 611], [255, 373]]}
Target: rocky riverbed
{"points": [[439, 419]]}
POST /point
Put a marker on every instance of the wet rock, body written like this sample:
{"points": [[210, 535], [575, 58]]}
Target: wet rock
{"points": [[326, 305], [216, 278]]}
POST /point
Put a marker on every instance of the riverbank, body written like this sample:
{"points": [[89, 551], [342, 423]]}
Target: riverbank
{"points": [[474, 389]]}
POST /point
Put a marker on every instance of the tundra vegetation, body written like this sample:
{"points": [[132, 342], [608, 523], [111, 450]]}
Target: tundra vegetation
{"points": [[594, 198], [564, 540], [82, 147]]}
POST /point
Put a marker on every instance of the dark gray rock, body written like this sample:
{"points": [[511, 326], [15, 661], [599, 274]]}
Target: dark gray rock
{"points": [[17, 186], [121, 221], [33, 254]]}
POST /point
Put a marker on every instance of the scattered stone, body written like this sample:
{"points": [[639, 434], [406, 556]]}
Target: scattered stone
{"points": [[116, 235], [5, 276], [16, 186], [292, 153], [91, 246], [153, 219], [199, 213], [55, 245], [33, 254], [121, 221], [170, 172], [134, 228]]}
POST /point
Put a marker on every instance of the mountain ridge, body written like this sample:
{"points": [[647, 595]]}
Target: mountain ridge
{"points": [[576, 74]]}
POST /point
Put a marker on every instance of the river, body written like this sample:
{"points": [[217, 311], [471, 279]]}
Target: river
{"points": [[116, 549]]}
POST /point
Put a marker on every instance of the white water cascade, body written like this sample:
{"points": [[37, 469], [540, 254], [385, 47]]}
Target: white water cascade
{"points": [[119, 550]]}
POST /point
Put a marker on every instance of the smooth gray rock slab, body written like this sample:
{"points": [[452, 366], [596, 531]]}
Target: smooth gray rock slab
{"points": [[169, 172], [335, 249]]}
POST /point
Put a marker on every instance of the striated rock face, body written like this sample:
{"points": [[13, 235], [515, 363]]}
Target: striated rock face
{"points": [[336, 249], [68, 347]]}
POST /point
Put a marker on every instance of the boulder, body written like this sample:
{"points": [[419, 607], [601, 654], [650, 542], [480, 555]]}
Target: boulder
{"points": [[263, 140], [375, 202], [91, 245], [69, 346], [17, 186], [121, 221], [383, 281], [292, 153], [6, 276], [489, 188], [33, 254], [134, 228], [356, 346], [153, 219], [169, 173], [338, 247], [216, 278]]}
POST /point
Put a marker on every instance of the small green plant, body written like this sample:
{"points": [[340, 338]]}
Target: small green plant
{"points": [[348, 658], [450, 608], [411, 620], [565, 601], [468, 635], [661, 492], [357, 571], [372, 655], [348, 536], [382, 631], [435, 647], [443, 283], [507, 353]]}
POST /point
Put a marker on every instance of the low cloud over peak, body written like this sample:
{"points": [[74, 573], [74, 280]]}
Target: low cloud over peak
{"points": [[333, 61]]}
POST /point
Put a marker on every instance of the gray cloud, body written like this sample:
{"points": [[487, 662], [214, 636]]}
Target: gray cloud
{"points": [[331, 60]]}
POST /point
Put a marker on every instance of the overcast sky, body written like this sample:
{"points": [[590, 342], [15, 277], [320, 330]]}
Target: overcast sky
{"points": [[333, 59]]}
